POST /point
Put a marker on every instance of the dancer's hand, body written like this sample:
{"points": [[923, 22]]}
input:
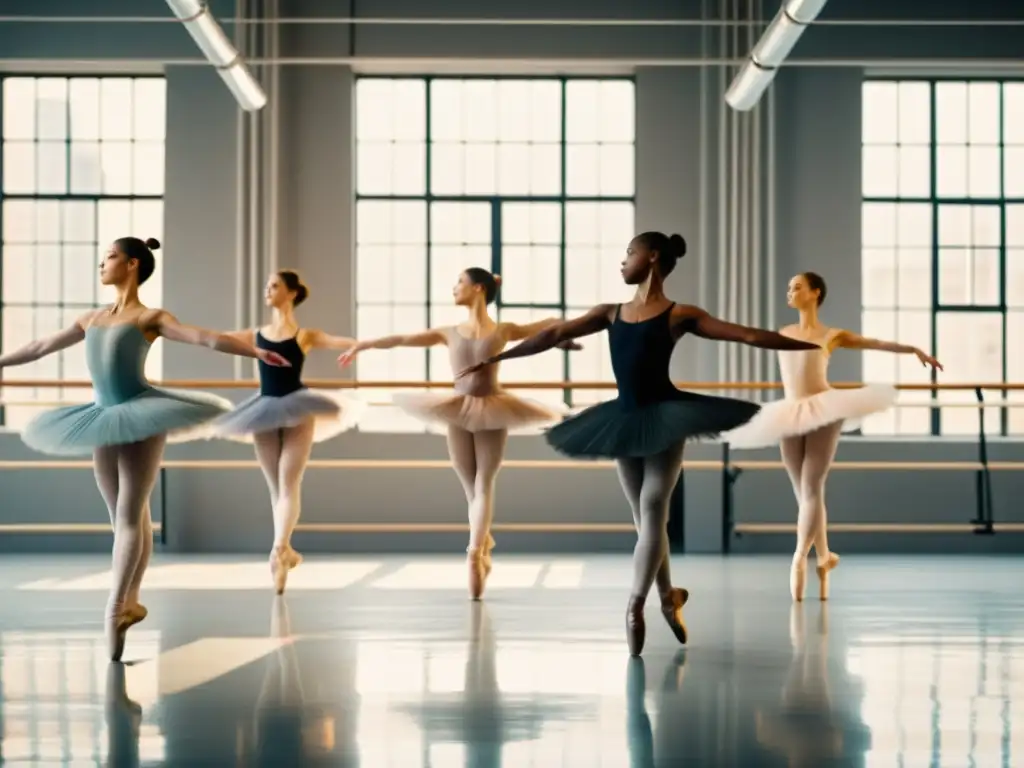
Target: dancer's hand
{"points": [[346, 357], [272, 358], [472, 369], [571, 346], [927, 359]]}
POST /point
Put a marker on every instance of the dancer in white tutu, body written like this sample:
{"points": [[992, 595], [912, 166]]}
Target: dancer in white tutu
{"points": [[808, 420], [478, 413], [286, 418]]}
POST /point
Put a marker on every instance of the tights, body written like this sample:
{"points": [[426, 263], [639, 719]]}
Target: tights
{"points": [[125, 475], [648, 484], [807, 459], [477, 458], [283, 454]]}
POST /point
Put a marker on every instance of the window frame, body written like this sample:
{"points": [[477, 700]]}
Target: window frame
{"points": [[496, 201], [935, 201], [59, 197]]}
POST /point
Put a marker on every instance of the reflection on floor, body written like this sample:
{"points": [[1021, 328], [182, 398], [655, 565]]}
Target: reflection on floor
{"points": [[383, 662]]}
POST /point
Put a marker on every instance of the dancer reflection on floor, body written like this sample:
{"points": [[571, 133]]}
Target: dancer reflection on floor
{"points": [[478, 414], [645, 427], [808, 420], [126, 428], [286, 418]]}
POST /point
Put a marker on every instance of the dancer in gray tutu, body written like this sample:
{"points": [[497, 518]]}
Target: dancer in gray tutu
{"points": [[125, 429], [286, 418]]}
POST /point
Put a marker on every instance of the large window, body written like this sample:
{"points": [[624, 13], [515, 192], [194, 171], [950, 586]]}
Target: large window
{"points": [[943, 244], [82, 164], [532, 179]]}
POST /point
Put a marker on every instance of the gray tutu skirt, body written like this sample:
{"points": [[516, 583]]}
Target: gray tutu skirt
{"points": [[78, 429], [332, 414]]}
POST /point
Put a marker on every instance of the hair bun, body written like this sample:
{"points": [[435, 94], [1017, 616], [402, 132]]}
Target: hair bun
{"points": [[497, 279], [152, 243], [678, 246]]}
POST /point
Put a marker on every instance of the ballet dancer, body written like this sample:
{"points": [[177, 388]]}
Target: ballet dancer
{"points": [[125, 429], [645, 426], [478, 414], [808, 420], [286, 418]]}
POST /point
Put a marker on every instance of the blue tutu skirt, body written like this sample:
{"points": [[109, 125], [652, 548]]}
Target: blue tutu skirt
{"points": [[613, 430], [78, 429], [332, 414]]}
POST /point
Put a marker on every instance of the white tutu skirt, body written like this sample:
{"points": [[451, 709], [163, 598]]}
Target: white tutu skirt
{"points": [[800, 416], [332, 414], [477, 414]]}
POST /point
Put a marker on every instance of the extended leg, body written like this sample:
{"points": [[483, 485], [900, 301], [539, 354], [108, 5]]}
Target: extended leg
{"points": [[794, 449], [296, 445], [488, 452], [661, 473], [138, 465], [813, 523]]}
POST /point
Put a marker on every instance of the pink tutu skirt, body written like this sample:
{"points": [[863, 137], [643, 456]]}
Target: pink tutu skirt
{"points": [[476, 414], [800, 416]]}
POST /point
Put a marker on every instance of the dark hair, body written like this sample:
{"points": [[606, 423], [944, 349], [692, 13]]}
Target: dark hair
{"points": [[293, 282], [140, 251], [816, 283], [670, 249], [480, 276]]}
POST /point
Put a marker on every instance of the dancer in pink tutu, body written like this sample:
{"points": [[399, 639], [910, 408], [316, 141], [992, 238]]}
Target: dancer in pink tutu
{"points": [[478, 413], [808, 420]]}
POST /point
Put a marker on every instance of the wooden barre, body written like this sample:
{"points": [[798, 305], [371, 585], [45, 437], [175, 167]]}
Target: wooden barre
{"points": [[101, 528], [775, 528], [701, 465], [511, 385]]}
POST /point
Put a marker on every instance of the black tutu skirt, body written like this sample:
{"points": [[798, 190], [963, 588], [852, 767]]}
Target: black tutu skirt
{"points": [[614, 429]]}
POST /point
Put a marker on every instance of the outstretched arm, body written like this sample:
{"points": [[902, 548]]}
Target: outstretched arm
{"points": [[851, 340], [432, 338], [167, 325], [320, 340], [39, 348], [702, 324], [517, 332], [595, 321]]}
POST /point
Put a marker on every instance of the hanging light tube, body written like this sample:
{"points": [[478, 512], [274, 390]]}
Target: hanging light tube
{"points": [[771, 51], [220, 52]]}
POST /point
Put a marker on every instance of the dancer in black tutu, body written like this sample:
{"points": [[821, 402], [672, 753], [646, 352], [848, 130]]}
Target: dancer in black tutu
{"points": [[645, 427]]}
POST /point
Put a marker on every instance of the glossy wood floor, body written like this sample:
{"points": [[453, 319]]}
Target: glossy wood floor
{"points": [[382, 661]]}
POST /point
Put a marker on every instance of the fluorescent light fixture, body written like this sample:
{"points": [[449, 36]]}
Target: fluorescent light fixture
{"points": [[803, 11], [186, 9], [211, 39], [748, 87], [777, 41], [243, 85], [220, 52]]}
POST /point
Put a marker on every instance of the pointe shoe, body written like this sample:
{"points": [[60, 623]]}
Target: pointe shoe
{"points": [[477, 573], [823, 570], [116, 629], [136, 613], [487, 562], [672, 609], [279, 567], [798, 578], [636, 628]]}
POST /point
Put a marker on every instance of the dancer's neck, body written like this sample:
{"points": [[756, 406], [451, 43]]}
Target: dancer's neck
{"points": [[650, 291], [809, 319], [281, 319], [127, 299], [478, 317]]}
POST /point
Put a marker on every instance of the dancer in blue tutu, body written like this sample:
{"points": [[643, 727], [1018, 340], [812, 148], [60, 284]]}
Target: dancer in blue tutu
{"points": [[125, 429], [645, 427], [286, 418]]}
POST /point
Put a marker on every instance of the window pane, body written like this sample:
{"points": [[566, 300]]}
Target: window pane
{"points": [[970, 346], [86, 168], [985, 276], [409, 168], [1015, 225], [582, 170], [915, 113], [514, 110], [19, 168], [51, 168], [914, 225], [985, 226], [546, 168], [954, 225], [513, 169], [1015, 280], [616, 111], [19, 221], [51, 108], [48, 269], [19, 271], [531, 275], [148, 168], [1013, 109], [546, 111], [116, 160], [116, 108], [480, 170], [617, 174], [84, 107], [582, 111], [915, 172], [951, 175], [447, 171], [983, 113], [878, 224], [79, 222], [446, 110], [983, 165], [1015, 367], [954, 280], [880, 170], [880, 113], [1013, 170], [951, 113], [878, 274], [481, 98], [19, 108], [914, 278], [78, 274], [150, 109]]}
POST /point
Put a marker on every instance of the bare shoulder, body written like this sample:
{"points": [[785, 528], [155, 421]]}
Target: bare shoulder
{"points": [[87, 319], [788, 330], [685, 311]]}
